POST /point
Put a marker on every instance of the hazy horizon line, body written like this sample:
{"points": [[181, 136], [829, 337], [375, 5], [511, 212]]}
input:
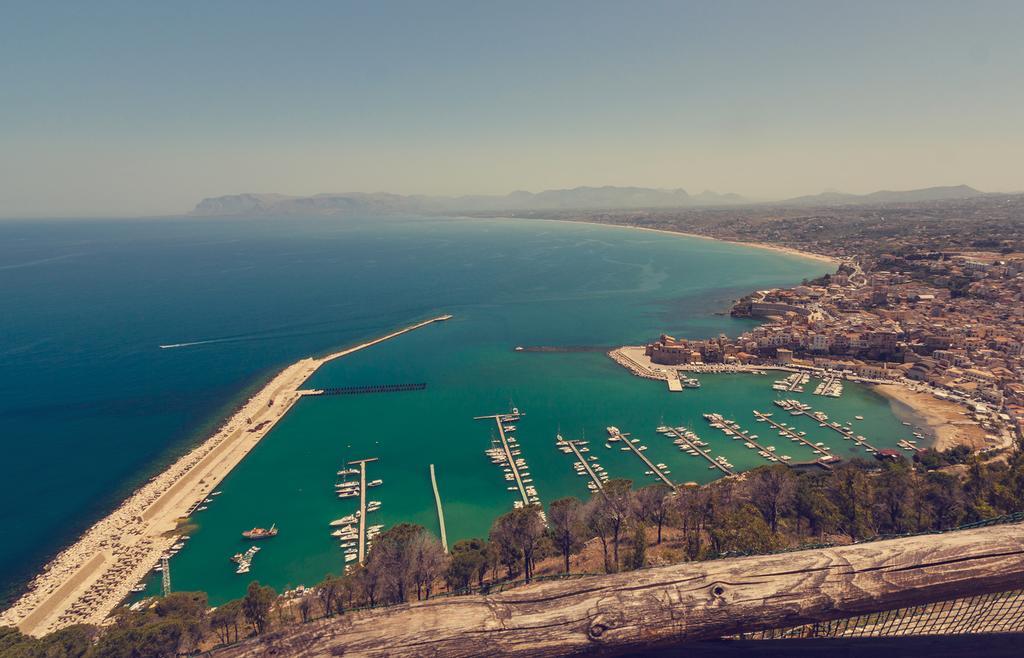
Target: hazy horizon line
{"points": [[744, 199]]}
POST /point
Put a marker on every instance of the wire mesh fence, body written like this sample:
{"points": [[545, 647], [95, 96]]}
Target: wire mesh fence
{"points": [[1002, 612]]}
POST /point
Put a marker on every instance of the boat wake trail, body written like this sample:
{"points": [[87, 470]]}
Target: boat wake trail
{"points": [[276, 334], [286, 331], [198, 342]]}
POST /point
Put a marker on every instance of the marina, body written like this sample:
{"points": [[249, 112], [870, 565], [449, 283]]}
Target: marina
{"points": [[792, 434], [614, 434], [352, 530], [510, 459], [363, 507], [797, 408], [479, 494], [690, 444], [593, 470], [732, 430], [792, 383], [831, 385]]}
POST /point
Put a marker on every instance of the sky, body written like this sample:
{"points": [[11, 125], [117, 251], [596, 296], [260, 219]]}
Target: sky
{"points": [[129, 108]]}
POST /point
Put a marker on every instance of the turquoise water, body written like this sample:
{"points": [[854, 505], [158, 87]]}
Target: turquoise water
{"points": [[91, 405]]}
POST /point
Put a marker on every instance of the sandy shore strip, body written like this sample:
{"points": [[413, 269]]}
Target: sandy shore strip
{"points": [[86, 581], [947, 420], [789, 251]]}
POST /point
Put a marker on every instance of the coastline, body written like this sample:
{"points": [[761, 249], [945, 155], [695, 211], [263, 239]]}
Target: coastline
{"points": [[89, 578], [946, 420], [789, 251]]}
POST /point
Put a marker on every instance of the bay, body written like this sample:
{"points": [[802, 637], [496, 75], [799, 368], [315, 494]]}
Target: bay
{"points": [[91, 404]]}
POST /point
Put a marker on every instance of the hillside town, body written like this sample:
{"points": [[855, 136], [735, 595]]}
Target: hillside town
{"points": [[948, 324]]}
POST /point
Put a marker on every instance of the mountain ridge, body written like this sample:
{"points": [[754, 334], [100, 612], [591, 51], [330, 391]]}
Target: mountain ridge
{"points": [[607, 197], [938, 193], [584, 197]]}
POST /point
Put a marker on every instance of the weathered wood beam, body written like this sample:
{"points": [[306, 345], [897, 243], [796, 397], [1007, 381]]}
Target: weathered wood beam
{"points": [[691, 601]]}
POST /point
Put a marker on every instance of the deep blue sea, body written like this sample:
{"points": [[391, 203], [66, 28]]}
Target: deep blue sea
{"points": [[91, 405]]}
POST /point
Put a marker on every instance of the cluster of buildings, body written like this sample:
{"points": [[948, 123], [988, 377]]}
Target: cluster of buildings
{"points": [[953, 322]]}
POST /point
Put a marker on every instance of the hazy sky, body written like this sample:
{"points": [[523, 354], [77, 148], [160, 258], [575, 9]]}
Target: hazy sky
{"points": [[146, 107]]}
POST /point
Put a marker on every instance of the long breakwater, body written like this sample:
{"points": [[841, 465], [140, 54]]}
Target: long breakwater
{"points": [[87, 580]]}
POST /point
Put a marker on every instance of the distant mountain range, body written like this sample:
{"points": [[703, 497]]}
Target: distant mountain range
{"points": [[582, 198], [383, 203], [885, 196]]}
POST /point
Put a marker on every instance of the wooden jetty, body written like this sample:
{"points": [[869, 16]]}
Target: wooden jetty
{"points": [[739, 436], [583, 460], [844, 432], [657, 471], [828, 383], [362, 504], [826, 454], [440, 510], [703, 453], [498, 420]]}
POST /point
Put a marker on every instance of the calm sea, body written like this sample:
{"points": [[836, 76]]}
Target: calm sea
{"points": [[91, 405]]}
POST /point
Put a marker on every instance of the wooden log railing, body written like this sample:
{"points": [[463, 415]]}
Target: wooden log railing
{"points": [[674, 604]]}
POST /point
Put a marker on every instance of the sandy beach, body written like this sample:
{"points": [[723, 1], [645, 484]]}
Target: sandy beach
{"points": [[789, 251], [946, 420], [86, 581]]}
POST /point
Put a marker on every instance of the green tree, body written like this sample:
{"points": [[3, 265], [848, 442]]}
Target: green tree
{"points": [[391, 560], [367, 582], [772, 490], [158, 639], [328, 591], [566, 516], [691, 510], [945, 498], [468, 563], [812, 504], [519, 533], [69, 642], [256, 606], [1008, 494], [598, 525], [894, 498], [224, 620], [637, 545], [190, 608], [979, 489], [852, 493], [16, 644], [653, 505], [429, 562], [613, 507], [741, 529]]}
